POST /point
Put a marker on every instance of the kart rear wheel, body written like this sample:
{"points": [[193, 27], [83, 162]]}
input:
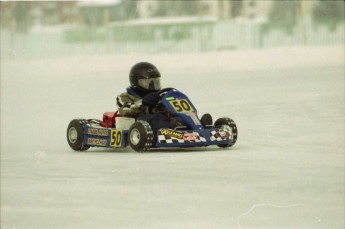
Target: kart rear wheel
{"points": [[140, 136], [75, 135], [229, 123]]}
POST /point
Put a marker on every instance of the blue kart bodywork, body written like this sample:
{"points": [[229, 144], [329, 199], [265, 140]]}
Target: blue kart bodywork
{"points": [[192, 134]]}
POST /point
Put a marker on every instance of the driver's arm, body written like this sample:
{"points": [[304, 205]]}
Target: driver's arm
{"points": [[128, 106]]}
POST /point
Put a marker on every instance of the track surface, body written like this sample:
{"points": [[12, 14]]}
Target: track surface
{"points": [[286, 170]]}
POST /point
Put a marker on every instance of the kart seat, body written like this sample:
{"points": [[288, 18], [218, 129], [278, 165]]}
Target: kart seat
{"points": [[109, 119]]}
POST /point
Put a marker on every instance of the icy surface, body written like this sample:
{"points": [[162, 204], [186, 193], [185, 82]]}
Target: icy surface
{"points": [[286, 170]]}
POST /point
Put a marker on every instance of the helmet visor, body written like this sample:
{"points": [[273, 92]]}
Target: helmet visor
{"points": [[150, 84]]}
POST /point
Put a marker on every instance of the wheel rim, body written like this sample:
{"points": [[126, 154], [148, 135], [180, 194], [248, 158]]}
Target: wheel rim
{"points": [[72, 135], [134, 136], [228, 128]]}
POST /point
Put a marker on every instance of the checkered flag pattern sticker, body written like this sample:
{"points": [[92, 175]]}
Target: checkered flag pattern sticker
{"points": [[222, 134], [186, 137], [169, 139]]}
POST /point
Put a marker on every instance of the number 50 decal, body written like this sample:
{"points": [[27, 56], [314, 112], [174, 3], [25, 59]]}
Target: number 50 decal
{"points": [[116, 137], [181, 106]]}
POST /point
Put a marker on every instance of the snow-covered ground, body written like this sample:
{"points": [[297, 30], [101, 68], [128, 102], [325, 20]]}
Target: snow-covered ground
{"points": [[286, 170]]}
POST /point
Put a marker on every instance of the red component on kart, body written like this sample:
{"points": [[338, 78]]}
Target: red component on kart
{"points": [[109, 119]]}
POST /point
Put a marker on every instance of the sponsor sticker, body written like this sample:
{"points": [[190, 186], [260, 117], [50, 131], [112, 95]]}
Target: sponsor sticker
{"points": [[98, 132], [191, 136], [171, 133], [96, 142]]}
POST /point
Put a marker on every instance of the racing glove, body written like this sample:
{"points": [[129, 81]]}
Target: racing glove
{"points": [[150, 99]]}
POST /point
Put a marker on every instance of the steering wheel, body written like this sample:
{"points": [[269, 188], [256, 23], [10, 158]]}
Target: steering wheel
{"points": [[162, 92]]}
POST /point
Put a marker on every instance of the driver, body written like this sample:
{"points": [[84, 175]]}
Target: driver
{"points": [[144, 81]]}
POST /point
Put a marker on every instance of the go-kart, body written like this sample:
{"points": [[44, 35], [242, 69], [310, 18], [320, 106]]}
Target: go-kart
{"points": [[119, 132]]}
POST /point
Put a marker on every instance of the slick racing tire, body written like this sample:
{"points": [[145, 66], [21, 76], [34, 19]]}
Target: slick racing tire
{"points": [[230, 123], [140, 136], [75, 135]]}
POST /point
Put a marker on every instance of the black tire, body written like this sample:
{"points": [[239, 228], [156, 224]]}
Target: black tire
{"points": [[230, 123], [140, 136], [206, 120], [75, 135]]}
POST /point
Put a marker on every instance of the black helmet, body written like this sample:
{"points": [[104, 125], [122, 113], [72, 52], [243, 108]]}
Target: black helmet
{"points": [[145, 77]]}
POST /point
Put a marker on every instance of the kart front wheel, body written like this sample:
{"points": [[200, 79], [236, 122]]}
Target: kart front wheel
{"points": [[140, 136], [227, 122], [75, 135]]}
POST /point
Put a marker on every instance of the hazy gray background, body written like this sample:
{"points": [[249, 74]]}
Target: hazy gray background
{"points": [[275, 67], [59, 28]]}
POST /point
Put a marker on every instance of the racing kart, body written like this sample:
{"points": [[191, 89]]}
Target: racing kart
{"points": [[119, 132]]}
